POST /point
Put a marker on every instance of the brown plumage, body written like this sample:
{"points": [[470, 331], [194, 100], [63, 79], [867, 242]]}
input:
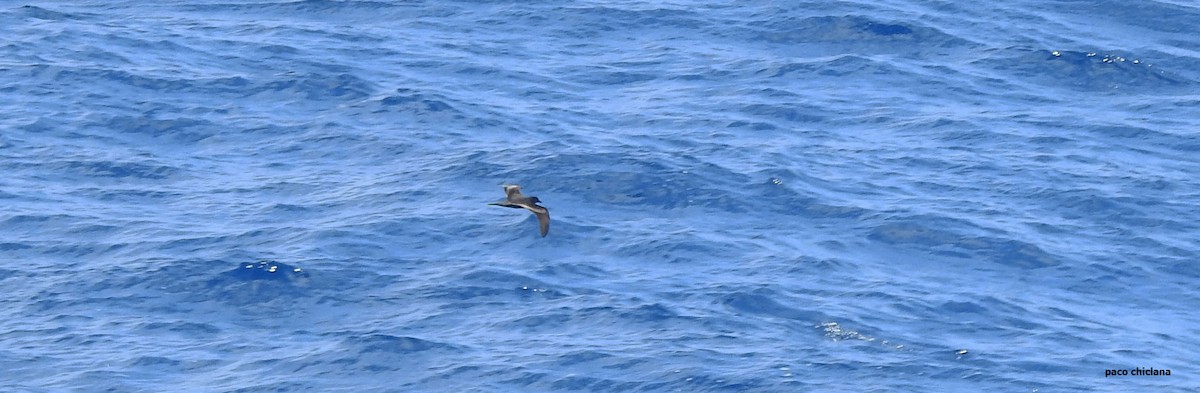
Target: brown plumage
{"points": [[517, 200]]}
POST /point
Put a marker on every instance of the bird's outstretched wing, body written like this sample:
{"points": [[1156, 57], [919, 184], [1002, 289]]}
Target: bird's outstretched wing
{"points": [[512, 191], [543, 216]]}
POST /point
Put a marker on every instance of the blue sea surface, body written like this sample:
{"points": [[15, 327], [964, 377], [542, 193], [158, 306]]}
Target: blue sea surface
{"points": [[795, 196]]}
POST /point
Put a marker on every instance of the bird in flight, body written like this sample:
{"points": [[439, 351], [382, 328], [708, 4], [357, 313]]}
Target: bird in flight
{"points": [[517, 200]]}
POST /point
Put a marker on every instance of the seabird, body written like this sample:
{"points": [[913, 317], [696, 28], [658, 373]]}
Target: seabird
{"points": [[517, 200]]}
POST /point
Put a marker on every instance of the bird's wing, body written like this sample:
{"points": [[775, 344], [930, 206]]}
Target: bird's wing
{"points": [[511, 191], [506, 203], [543, 216]]}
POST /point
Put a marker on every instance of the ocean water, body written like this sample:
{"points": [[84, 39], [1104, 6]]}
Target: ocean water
{"points": [[799, 196]]}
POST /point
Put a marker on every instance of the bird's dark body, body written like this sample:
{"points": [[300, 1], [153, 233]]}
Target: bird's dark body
{"points": [[517, 200]]}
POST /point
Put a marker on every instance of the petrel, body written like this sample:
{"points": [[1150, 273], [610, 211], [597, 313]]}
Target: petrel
{"points": [[517, 200]]}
